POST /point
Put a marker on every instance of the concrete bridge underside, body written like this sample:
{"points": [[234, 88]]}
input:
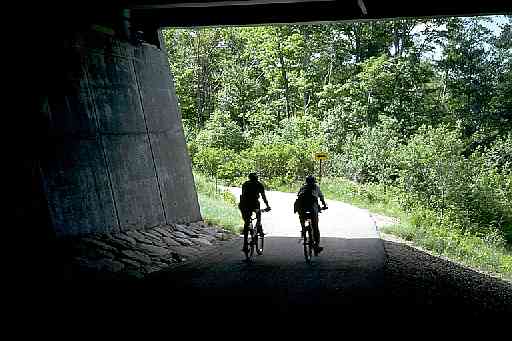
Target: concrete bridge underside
{"points": [[104, 149]]}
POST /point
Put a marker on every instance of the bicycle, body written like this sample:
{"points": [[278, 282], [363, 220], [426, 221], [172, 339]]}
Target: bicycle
{"points": [[257, 238], [308, 238]]}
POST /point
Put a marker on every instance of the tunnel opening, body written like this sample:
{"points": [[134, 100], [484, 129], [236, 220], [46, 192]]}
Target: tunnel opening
{"points": [[109, 145]]}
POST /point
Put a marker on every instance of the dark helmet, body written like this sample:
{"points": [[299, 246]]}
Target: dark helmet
{"points": [[253, 176], [310, 179]]}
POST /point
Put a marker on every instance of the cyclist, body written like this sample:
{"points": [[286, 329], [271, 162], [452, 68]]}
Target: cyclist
{"points": [[307, 201], [249, 202]]}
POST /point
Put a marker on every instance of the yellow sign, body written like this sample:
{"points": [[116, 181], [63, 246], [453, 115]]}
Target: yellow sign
{"points": [[321, 156]]}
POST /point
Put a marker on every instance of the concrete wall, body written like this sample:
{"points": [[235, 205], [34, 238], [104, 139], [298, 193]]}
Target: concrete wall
{"points": [[114, 156]]}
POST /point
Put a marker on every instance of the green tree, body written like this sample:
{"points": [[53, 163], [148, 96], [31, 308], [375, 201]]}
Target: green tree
{"points": [[194, 59], [222, 132], [501, 103], [469, 72]]}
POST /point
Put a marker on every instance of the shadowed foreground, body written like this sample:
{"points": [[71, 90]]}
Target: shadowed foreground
{"points": [[350, 281], [359, 276], [348, 272]]}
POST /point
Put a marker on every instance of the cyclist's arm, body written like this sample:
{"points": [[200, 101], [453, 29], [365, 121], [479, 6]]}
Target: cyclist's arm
{"points": [[264, 197], [321, 196]]}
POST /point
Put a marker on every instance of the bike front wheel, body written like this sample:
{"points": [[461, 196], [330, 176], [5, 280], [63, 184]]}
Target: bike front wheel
{"points": [[260, 243]]}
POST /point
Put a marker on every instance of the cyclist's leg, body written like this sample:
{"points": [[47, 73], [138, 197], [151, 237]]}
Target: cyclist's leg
{"points": [[258, 219], [246, 215], [316, 230], [316, 234], [302, 220]]}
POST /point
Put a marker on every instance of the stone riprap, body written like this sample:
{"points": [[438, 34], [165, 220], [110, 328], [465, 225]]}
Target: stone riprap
{"points": [[137, 253]]}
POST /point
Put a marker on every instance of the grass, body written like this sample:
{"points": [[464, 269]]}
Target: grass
{"points": [[489, 255], [372, 197], [217, 212], [217, 207], [376, 198]]}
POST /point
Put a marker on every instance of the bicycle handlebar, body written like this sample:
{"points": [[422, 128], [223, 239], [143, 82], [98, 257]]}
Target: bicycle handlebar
{"points": [[259, 210], [320, 209]]}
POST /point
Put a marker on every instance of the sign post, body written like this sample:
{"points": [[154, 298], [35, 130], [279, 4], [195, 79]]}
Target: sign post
{"points": [[320, 157]]}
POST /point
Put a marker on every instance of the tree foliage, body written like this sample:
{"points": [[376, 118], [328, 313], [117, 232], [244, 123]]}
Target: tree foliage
{"points": [[420, 105]]}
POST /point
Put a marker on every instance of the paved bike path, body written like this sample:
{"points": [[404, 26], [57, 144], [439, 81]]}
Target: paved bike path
{"points": [[349, 271], [340, 220]]}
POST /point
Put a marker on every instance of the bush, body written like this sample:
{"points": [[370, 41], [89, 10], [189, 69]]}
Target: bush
{"points": [[499, 154], [369, 157], [221, 132], [229, 198], [283, 161], [435, 174], [209, 159], [489, 204], [299, 128], [432, 171]]}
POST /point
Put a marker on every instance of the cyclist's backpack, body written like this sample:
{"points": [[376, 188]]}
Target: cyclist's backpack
{"points": [[305, 199]]}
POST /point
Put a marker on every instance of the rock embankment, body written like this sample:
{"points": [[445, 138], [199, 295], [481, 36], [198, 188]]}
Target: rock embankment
{"points": [[137, 253]]}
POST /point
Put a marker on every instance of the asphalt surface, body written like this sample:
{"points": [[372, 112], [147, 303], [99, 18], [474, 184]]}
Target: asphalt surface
{"points": [[280, 279], [348, 272], [356, 276]]}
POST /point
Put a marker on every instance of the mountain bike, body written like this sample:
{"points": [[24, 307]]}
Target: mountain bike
{"points": [[308, 239], [255, 238]]}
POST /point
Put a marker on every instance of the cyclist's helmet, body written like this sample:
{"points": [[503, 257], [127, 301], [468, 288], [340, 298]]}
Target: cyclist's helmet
{"points": [[253, 176], [310, 179]]}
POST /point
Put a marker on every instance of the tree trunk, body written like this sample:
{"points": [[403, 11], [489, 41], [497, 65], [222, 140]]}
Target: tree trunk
{"points": [[396, 42], [285, 77], [358, 43], [198, 81], [305, 64]]}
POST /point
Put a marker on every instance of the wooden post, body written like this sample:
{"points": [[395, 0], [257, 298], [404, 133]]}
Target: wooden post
{"points": [[320, 177], [320, 157]]}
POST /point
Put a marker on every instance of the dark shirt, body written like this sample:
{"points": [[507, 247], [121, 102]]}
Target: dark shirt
{"points": [[251, 191], [310, 201]]}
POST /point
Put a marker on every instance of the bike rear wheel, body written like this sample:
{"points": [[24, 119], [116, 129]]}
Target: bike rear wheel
{"points": [[252, 243], [249, 247], [308, 244], [247, 251]]}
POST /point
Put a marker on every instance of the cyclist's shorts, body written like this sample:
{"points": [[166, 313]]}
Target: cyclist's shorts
{"points": [[249, 206]]}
